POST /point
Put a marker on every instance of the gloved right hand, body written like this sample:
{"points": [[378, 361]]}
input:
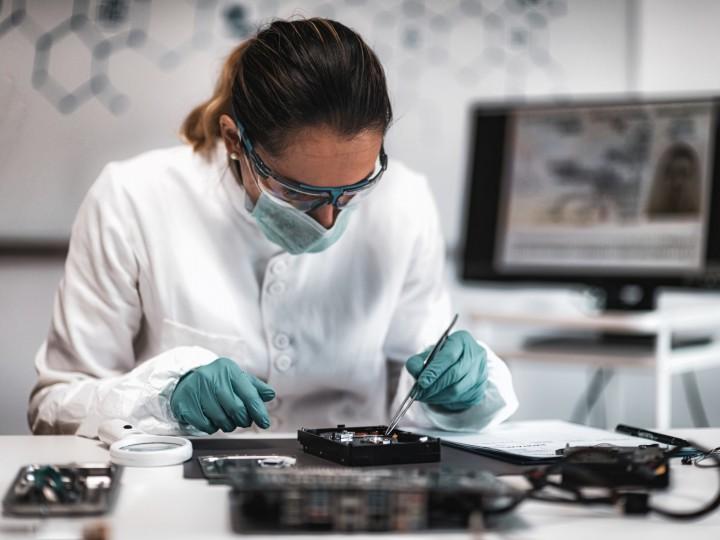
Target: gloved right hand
{"points": [[220, 395]]}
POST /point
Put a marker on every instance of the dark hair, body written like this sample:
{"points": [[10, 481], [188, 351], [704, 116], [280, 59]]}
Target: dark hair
{"points": [[293, 75]]}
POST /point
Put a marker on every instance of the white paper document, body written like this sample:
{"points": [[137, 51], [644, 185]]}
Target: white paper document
{"points": [[537, 439]]}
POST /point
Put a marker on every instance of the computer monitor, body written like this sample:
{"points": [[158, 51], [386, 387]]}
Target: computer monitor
{"points": [[621, 196]]}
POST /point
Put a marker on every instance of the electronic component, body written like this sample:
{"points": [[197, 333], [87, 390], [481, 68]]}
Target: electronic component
{"points": [[62, 490], [616, 466], [338, 499], [619, 476], [362, 446], [220, 468]]}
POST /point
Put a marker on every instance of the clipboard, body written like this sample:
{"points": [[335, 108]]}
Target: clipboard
{"points": [[533, 442]]}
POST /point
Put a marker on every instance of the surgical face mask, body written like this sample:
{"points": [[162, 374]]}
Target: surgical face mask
{"points": [[295, 231]]}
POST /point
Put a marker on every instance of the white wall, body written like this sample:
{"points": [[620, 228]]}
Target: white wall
{"points": [[679, 43], [26, 294], [439, 55]]}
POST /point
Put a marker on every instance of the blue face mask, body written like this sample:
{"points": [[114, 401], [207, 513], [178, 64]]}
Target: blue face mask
{"points": [[295, 231]]}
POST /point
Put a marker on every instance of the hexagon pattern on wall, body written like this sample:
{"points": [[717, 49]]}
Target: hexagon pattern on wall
{"points": [[410, 36]]}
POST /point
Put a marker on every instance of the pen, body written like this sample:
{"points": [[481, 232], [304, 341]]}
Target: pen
{"points": [[652, 435]]}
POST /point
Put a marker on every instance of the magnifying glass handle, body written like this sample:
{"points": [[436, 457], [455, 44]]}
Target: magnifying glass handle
{"points": [[114, 430]]}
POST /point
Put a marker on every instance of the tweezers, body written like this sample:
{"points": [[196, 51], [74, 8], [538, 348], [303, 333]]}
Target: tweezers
{"points": [[410, 399]]}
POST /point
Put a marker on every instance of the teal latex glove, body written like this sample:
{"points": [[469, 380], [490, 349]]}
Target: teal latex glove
{"points": [[456, 378], [220, 395]]}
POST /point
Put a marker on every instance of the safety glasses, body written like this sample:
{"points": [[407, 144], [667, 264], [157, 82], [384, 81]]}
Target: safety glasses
{"points": [[305, 197]]}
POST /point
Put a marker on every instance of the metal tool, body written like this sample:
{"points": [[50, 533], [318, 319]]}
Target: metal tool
{"points": [[410, 399]]}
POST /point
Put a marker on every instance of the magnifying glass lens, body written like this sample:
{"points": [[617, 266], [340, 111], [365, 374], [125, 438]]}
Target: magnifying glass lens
{"points": [[150, 447], [150, 451]]}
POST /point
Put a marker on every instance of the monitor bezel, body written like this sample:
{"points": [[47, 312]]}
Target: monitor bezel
{"points": [[483, 201]]}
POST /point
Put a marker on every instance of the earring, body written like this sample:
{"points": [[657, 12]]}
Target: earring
{"points": [[234, 156]]}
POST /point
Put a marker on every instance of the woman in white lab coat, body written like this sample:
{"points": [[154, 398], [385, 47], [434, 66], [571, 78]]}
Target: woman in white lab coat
{"points": [[267, 273]]}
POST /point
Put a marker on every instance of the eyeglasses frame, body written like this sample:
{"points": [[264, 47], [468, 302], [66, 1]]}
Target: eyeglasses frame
{"points": [[334, 193]]}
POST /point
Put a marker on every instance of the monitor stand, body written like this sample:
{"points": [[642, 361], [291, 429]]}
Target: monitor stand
{"points": [[611, 296]]}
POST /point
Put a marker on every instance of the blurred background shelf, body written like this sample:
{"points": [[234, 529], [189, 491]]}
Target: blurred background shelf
{"points": [[669, 341]]}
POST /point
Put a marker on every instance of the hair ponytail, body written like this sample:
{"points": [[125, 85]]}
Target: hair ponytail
{"points": [[201, 128]]}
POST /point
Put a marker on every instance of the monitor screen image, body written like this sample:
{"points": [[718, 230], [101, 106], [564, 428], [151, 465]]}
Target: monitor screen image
{"points": [[601, 193]]}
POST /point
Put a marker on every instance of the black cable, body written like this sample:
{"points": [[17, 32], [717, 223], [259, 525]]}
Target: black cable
{"points": [[539, 481], [700, 459], [710, 506], [516, 500]]}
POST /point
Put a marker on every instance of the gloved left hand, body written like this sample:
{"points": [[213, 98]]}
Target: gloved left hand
{"points": [[220, 395], [456, 378]]}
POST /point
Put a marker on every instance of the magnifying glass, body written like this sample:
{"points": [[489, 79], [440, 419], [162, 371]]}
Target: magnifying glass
{"points": [[132, 447]]}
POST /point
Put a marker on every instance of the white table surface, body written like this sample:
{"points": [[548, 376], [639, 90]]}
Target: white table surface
{"points": [[159, 503]]}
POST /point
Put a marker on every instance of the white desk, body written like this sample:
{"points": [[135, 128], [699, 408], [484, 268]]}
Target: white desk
{"points": [[159, 503]]}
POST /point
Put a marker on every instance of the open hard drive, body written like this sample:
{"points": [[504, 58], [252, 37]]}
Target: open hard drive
{"points": [[368, 445]]}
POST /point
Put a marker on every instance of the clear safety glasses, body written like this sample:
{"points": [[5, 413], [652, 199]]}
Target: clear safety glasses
{"points": [[304, 197]]}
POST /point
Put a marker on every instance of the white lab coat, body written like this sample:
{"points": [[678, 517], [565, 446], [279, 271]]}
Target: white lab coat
{"points": [[167, 270]]}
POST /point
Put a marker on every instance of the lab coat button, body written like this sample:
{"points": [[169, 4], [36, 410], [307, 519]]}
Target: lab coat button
{"points": [[281, 341], [279, 267], [283, 362], [277, 287]]}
